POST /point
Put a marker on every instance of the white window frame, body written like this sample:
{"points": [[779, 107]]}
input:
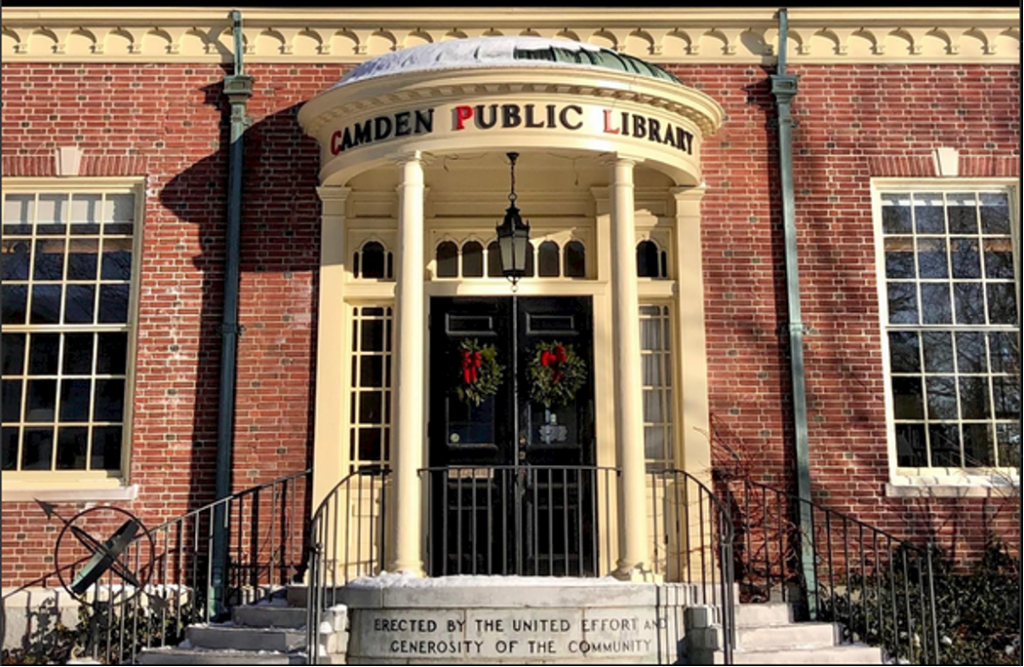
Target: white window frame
{"points": [[88, 485], [937, 481], [355, 315], [667, 392]]}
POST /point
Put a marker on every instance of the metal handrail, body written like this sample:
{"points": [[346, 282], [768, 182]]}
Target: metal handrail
{"points": [[263, 522], [878, 587], [693, 540], [333, 556]]}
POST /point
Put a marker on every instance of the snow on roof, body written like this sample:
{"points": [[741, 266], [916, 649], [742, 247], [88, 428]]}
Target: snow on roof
{"points": [[486, 52]]}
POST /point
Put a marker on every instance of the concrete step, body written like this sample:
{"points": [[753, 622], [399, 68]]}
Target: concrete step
{"points": [[237, 638], [848, 654], [796, 635], [269, 616], [194, 656], [759, 614]]}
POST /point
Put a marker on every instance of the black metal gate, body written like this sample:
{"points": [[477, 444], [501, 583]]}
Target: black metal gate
{"points": [[521, 520]]}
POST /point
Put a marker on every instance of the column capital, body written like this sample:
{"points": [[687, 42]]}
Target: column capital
{"points": [[689, 193], [333, 193], [688, 201], [614, 159], [406, 157]]}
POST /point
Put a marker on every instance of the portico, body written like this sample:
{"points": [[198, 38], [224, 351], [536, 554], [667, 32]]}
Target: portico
{"points": [[413, 181]]}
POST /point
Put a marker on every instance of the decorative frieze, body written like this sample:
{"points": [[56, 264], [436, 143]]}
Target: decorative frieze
{"points": [[840, 35]]}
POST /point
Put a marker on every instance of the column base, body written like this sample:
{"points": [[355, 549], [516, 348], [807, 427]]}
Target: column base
{"points": [[412, 569], [638, 572]]}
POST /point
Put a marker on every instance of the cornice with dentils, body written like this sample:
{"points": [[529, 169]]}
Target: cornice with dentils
{"points": [[665, 36]]}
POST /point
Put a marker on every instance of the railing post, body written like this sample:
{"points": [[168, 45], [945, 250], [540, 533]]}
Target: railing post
{"points": [[929, 550]]}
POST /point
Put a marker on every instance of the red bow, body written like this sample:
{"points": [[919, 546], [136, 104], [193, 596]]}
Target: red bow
{"points": [[554, 360], [470, 366]]}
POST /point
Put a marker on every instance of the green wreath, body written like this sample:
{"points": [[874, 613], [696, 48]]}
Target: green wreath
{"points": [[479, 373], [556, 373]]}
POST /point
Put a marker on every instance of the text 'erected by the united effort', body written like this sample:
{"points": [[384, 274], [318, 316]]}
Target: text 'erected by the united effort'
{"points": [[511, 634]]}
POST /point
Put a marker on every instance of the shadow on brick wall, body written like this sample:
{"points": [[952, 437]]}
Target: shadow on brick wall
{"points": [[279, 258]]}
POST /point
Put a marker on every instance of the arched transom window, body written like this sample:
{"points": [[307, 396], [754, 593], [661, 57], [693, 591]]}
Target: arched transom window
{"points": [[546, 259]]}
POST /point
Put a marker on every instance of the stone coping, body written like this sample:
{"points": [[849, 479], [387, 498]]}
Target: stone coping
{"points": [[581, 593]]}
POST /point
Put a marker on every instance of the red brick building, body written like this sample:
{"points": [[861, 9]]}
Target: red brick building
{"points": [[903, 193]]}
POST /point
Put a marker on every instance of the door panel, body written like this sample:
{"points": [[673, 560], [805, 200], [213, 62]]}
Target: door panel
{"points": [[462, 433], [559, 436]]}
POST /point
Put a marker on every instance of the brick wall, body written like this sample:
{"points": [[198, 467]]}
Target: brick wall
{"points": [[167, 122], [853, 123]]}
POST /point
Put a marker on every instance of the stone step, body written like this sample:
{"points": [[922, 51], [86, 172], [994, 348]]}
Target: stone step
{"points": [[758, 614], [233, 637], [848, 654], [195, 656], [269, 616], [796, 635]]}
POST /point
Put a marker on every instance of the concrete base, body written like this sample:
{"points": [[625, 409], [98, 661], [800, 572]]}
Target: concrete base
{"points": [[500, 620], [32, 616]]}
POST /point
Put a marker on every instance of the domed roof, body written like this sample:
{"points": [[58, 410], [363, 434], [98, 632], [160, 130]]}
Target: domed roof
{"points": [[487, 52]]}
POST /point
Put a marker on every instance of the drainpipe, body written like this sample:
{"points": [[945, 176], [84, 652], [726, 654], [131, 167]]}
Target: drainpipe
{"points": [[238, 89], [784, 87]]}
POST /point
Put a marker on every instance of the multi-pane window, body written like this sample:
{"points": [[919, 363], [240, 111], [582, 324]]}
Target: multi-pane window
{"points": [[67, 271], [656, 372], [370, 433], [952, 328]]}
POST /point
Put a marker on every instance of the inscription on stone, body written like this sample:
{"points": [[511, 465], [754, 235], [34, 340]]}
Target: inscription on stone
{"points": [[504, 633]]}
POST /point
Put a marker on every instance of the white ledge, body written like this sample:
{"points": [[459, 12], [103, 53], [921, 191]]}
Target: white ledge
{"points": [[950, 490], [72, 495]]}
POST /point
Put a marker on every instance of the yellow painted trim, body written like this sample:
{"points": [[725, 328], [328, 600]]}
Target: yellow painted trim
{"points": [[682, 35]]}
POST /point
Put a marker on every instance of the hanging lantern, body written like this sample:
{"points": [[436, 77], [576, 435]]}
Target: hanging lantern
{"points": [[513, 234]]}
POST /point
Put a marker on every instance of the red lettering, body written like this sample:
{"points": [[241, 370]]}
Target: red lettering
{"points": [[335, 140], [462, 114], [608, 123]]}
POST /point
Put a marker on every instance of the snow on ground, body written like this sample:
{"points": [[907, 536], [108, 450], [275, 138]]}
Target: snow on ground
{"points": [[405, 579]]}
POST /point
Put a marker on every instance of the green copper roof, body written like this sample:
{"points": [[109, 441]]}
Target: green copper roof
{"points": [[600, 57], [497, 52]]}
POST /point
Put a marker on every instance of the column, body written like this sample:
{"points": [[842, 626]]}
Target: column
{"points": [[685, 548], [409, 421], [634, 552], [690, 346], [330, 437]]}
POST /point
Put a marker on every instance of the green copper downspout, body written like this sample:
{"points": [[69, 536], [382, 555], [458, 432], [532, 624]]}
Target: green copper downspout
{"points": [[784, 87], [238, 89]]}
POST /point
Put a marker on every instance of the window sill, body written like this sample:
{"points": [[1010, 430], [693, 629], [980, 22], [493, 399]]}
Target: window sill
{"points": [[947, 484], [77, 494]]}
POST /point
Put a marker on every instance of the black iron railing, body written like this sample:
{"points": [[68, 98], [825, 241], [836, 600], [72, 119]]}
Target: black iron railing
{"points": [[516, 520], [836, 568], [265, 553], [346, 540], [692, 535]]}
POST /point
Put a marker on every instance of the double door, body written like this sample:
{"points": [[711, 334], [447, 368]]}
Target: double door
{"points": [[512, 483]]}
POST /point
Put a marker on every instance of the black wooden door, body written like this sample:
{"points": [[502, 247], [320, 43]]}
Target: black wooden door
{"points": [[511, 483]]}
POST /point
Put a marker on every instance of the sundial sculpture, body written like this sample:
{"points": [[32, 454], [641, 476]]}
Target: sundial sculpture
{"points": [[106, 555]]}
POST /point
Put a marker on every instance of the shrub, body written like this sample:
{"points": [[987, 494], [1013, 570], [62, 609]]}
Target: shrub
{"points": [[977, 612]]}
